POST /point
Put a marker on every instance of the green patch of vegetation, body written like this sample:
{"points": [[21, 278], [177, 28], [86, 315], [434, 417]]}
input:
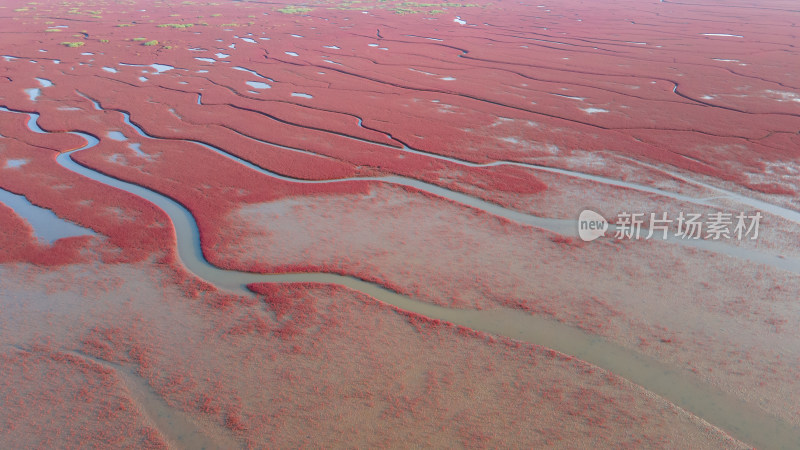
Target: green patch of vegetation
{"points": [[291, 9], [436, 5], [104, 41], [404, 11], [176, 25], [216, 15], [402, 7], [52, 30], [139, 39], [151, 43], [125, 25], [74, 44]]}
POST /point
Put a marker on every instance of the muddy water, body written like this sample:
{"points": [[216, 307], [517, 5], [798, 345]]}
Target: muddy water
{"points": [[786, 213], [178, 427], [736, 417], [740, 419], [560, 226], [47, 226]]}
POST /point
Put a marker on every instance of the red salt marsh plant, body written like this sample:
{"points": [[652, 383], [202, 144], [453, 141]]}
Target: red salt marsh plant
{"points": [[84, 202], [378, 90], [37, 404]]}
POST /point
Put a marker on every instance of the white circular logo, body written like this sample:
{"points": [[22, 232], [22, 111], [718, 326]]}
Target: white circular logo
{"points": [[591, 225]]}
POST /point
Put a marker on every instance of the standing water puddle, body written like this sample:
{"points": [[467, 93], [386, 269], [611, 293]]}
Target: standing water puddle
{"points": [[47, 226]]}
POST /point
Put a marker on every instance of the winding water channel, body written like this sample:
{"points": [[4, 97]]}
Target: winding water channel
{"points": [[736, 417]]}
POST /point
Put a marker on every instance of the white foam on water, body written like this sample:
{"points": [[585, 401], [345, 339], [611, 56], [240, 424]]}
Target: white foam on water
{"points": [[291, 53], [300, 94]]}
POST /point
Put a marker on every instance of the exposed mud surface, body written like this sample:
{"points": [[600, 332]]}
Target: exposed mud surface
{"points": [[353, 224]]}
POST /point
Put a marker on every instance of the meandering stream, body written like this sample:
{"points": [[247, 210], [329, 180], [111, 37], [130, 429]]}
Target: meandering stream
{"points": [[742, 420]]}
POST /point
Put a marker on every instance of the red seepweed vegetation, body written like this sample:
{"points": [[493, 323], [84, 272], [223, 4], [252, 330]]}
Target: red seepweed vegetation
{"points": [[685, 107], [54, 398]]}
